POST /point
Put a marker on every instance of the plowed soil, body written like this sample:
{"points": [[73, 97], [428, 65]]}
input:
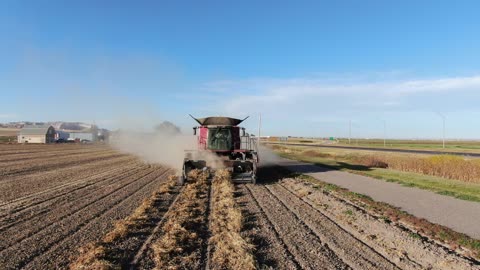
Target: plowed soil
{"points": [[56, 199], [295, 225]]}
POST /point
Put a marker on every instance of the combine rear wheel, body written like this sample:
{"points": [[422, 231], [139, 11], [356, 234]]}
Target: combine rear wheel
{"points": [[183, 177], [254, 174], [181, 180]]}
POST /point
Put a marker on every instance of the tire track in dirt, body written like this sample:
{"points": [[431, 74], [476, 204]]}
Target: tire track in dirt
{"points": [[270, 251], [118, 182], [84, 181], [391, 239], [25, 169], [37, 228], [94, 230], [35, 223], [47, 157], [307, 248], [14, 159], [32, 149], [44, 240], [351, 250], [21, 186], [35, 199], [55, 203]]}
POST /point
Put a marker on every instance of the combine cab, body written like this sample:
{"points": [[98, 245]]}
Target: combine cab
{"points": [[221, 143]]}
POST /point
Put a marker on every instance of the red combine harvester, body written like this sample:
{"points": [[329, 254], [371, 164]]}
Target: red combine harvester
{"points": [[221, 143]]}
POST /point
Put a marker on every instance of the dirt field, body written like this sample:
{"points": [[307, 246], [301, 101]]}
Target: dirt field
{"points": [[60, 206], [296, 225], [55, 198]]}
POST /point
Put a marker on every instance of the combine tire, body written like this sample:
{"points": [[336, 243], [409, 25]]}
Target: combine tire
{"points": [[181, 180], [254, 175]]}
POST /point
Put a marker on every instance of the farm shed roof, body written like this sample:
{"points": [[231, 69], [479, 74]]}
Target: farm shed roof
{"points": [[86, 131], [35, 130]]}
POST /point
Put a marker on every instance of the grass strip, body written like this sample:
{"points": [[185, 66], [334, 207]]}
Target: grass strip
{"points": [[230, 250]]}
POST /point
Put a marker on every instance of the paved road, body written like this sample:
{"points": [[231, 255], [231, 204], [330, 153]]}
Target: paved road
{"points": [[459, 215], [426, 152]]}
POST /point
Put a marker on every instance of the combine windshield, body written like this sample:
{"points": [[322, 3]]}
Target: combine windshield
{"points": [[220, 139]]}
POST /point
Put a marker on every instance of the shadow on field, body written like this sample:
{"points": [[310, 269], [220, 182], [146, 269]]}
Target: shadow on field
{"points": [[354, 167], [300, 167], [320, 167], [272, 174], [269, 174]]}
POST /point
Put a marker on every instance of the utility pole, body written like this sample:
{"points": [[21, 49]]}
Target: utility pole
{"points": [[349, 131], [443, 119], [384, 133], [259, 125]]}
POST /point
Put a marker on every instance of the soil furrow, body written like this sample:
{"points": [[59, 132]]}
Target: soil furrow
{"points": [[52, 215], [47, 166], [304, 244], [18, 188], [351, 250], [271, 251], [95, 229], [38, 243], [395, 242], [46, 148], [24, 203], [14, 159], [54, 159]]}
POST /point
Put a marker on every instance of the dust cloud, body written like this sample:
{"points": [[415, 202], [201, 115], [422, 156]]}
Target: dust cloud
{"points": [[165, 145], [167, 148]]}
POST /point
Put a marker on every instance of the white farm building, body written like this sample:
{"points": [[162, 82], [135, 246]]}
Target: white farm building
{"points": [[88, 134], [85, 135], [36, 134]]}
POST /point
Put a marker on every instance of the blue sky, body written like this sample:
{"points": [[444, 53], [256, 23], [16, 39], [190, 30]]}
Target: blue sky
{"points": [[308, 66]]}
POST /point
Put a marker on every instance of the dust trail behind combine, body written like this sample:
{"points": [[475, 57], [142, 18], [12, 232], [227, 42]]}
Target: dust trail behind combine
{"points": [[162, 148]]}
